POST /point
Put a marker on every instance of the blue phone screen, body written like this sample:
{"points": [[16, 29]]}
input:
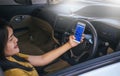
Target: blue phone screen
{"points": [[79, 31]]}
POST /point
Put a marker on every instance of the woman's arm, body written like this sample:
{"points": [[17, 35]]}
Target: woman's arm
{"points": [[53, 54]]}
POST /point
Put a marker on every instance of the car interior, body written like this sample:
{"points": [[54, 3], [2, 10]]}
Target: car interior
{"points": [[43, 27]]}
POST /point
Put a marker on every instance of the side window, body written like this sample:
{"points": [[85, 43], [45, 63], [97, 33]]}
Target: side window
{"points": [[8, 2], [39, 1], [12, 2], [45, 1]]}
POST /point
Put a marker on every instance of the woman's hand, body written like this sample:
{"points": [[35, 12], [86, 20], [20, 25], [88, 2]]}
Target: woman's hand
{"points": [[72, 42]]}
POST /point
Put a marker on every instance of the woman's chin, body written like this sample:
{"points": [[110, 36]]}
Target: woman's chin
{"points": [[17, 50]]}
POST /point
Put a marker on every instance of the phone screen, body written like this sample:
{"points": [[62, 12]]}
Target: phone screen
{"points": [[79, 29]]}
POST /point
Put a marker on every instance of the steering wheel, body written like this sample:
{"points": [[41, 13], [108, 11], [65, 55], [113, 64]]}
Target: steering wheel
{"points": [[87, 49]]}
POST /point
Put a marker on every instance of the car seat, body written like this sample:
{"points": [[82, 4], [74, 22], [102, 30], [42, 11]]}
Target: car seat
{"points": [[35, 35], [1, 72]]}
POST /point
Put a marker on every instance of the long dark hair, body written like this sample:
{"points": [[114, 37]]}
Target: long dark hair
{"points": [[3, 37], [5, 63]]}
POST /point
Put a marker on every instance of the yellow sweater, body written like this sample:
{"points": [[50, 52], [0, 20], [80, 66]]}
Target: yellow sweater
{"points": [[18, 71]]}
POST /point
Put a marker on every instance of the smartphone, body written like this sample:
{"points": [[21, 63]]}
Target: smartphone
{"points": [[79, 29]]}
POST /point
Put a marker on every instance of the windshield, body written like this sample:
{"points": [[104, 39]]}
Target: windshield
{"points": [[107, 1], [102, 1]]}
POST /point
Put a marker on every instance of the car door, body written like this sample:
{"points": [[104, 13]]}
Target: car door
{"points": [[108, 65]]}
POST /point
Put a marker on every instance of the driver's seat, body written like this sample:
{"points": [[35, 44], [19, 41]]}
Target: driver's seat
{"points": [[1, 72]]}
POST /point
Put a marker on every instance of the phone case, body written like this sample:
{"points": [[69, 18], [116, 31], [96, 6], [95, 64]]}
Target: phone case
{"points": [[79, 31]]}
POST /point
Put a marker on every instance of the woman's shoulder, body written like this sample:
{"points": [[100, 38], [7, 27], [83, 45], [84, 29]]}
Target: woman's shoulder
{"points": [[25, 56]]}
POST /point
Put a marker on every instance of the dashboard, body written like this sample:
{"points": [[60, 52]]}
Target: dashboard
{"points": [[105, 18]]}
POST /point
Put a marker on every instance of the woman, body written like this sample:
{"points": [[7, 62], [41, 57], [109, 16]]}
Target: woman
{"points": [[16, 64]]}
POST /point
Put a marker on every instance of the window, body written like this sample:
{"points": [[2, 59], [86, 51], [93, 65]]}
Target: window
{"points": [[8, 2]]}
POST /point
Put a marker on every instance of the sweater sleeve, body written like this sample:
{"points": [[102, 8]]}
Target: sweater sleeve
{"points": [[16, 72]]}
